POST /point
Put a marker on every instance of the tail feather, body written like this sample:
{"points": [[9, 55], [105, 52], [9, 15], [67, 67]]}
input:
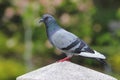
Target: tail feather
{"points": [[99, 57], [107, 67], [92, 55]]}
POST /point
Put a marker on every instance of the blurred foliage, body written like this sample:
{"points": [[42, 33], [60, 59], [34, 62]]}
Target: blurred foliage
{"points": [[9, 69], [24, 44]]}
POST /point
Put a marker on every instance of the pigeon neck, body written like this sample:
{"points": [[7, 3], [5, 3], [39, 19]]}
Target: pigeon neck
{"points": [[51, 28]]}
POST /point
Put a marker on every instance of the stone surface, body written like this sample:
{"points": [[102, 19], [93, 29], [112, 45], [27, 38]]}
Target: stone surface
{"points": [[64, 71]]}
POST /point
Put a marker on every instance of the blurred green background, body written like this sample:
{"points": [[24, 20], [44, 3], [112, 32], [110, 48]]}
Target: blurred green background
{"points": [[24, 45]]}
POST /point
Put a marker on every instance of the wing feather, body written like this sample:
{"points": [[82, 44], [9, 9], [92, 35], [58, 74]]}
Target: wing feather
{"points": [[63, 38]]}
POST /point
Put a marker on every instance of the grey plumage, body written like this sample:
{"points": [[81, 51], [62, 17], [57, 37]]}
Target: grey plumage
{"points": [[66, 41]]}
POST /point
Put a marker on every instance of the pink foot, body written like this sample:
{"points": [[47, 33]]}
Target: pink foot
{"points": [[64, 59]]}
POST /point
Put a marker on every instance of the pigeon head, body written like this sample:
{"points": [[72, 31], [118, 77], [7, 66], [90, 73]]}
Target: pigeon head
{"points": [[46, 18], [49, 21], [50, 24]]}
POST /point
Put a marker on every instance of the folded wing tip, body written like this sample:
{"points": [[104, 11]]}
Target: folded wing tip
{"points": [[91, 55]]}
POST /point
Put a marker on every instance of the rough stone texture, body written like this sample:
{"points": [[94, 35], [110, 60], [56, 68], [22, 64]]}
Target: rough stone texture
{"points": [[65, 71]]}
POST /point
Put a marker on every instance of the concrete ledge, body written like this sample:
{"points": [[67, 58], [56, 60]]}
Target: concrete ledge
{"points": [[64, 71]]}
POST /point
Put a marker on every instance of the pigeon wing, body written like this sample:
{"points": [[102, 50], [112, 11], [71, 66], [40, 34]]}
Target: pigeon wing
{"points": [[69, 42], [62, 39]]}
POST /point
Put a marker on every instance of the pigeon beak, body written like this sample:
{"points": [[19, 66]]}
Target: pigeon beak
{"points": [[41, 20]]}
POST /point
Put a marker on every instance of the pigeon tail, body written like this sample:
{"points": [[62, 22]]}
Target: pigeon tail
{"points": [[107, 66], [92, 55]]}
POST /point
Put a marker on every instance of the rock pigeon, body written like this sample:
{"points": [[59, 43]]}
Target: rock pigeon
{"points": [[66, 41]]}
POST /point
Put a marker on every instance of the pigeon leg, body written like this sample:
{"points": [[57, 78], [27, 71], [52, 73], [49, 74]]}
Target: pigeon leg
{"points": [[64, 59]]}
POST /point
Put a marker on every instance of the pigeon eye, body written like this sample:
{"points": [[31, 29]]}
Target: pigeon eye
{"points": [[46, 18]]}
